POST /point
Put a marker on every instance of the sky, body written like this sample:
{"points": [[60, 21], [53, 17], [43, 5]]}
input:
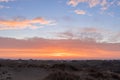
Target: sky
{"points": [[60, 29]]}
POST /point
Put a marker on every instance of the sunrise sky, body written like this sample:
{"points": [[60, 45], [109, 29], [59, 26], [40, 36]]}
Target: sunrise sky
{"points": [[60, 29]]}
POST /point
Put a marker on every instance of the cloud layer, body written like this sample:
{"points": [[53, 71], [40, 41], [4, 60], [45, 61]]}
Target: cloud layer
{"points": [[57, 49], [21, 23]]}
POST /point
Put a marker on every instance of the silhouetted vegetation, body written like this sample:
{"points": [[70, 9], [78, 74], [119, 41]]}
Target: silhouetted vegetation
{"points": [[61, 75], [64, 67]]}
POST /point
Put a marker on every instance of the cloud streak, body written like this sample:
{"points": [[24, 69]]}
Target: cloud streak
{"points": [[80, 12], [6, 0], [22, 23], [1, 7]]}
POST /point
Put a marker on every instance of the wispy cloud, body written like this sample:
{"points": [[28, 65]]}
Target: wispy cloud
{"points": [[104, 5], [80, 12], [1, 7], [6, 0], [90, 33], [118, 3], [90, 29], [87, 33], [92, 3], [21, 23]]}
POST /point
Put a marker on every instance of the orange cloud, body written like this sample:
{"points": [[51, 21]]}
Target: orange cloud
{"points": [[19, 23], [39, 48]]}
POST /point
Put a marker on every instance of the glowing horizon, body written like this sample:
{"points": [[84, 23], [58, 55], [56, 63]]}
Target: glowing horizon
{"points": [[39, 48]]}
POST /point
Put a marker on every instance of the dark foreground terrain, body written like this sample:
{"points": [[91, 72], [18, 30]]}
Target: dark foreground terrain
{"points": [[59, 70]]}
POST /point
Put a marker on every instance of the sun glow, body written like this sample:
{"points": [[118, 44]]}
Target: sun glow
{"points": [[64, 54], [59, 54]]}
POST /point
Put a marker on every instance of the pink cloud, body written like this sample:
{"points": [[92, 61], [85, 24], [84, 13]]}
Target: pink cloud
{"points": [[75, 2], [19, 23], [90, 29]]}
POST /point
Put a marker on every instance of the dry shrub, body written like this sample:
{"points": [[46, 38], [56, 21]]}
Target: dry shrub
{"points": [[64, 67], [61, 75]]}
